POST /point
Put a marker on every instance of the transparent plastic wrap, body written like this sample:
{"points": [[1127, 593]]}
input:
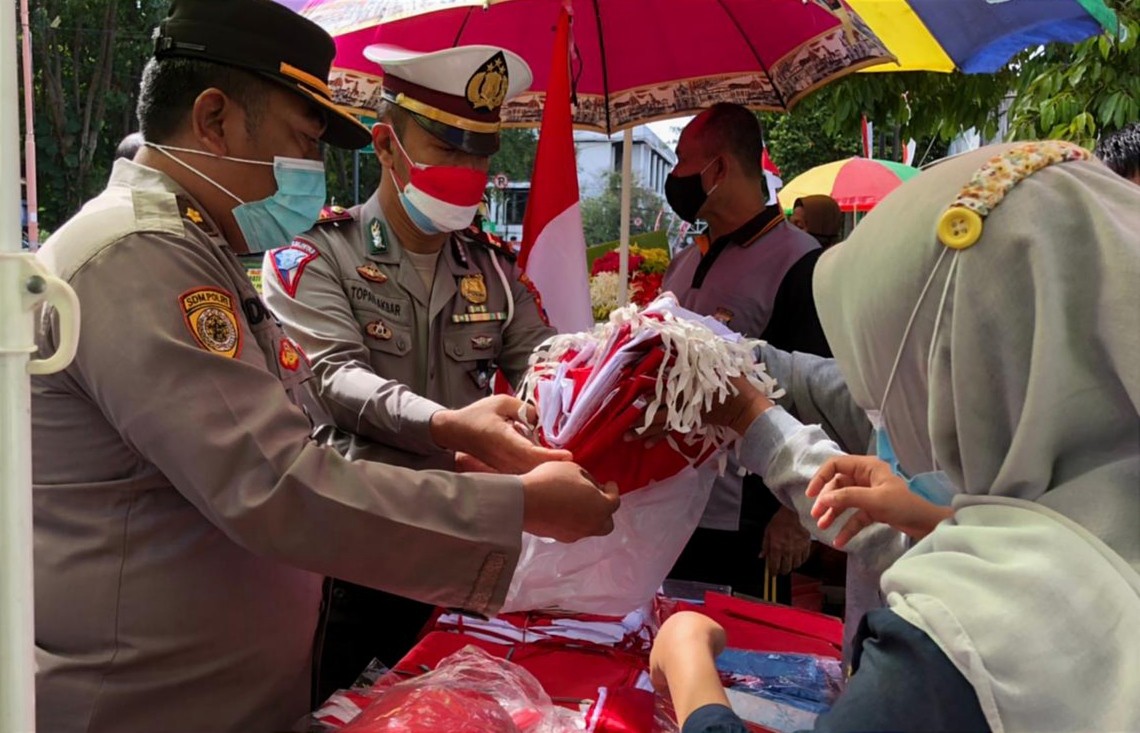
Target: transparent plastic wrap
{"points": [[619, 573], [468, 692], [662, 366]]}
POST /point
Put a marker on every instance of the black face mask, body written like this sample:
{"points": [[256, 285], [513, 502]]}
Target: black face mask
{"points": [[686, 194]]}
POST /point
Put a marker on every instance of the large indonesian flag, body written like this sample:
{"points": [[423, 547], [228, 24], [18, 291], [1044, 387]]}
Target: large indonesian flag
{"points": [[553, 253]]}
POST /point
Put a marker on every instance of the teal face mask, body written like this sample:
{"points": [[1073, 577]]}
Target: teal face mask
{"points": [[274, 221], [934, 486]]}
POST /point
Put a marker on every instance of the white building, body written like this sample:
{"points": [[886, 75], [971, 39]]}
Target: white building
{"points": [[598, 155]]}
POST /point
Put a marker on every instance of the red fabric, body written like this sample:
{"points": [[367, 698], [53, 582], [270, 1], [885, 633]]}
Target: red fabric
{"points": [[501, 385], [767, 627], [767, 164], [554, 183], [599, 445], [624, 710], [566, 673]]}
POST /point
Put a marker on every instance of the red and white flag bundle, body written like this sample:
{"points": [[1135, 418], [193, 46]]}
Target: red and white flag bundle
{"points": [[590, 389], [553, 254]]}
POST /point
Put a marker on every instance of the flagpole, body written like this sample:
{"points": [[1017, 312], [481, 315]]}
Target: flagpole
{"points": [[29, 133], [626, 196]]}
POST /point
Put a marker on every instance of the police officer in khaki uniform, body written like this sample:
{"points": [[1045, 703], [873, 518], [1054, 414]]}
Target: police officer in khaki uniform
{"points": [[404, 308], [183, 516]]}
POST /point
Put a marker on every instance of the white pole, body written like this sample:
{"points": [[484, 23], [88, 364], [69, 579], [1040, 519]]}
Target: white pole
{"points": [[24, 284], [626, 184], [17, 622]]}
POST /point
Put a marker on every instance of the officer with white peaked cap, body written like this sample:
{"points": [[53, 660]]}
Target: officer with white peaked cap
{"points": [[406, 309]]}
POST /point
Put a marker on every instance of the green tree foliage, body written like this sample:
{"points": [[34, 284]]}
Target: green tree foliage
{"points": [[515, 158], [800, 140], [87, 59], [1077, 94], [601, 215], [1068, 92], [341, 175]]}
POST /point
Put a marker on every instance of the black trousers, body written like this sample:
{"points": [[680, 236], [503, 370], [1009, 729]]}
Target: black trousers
{"points": [[730, 558], [359, 624]]}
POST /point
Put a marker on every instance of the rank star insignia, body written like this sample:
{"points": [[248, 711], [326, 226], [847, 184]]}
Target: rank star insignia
{"points": [[210, 315], [482, 343], [372, 273], [192, 214], [378, 330], [377, 237], [724, 315], [487, 87], [289, 356], [473, 289]]}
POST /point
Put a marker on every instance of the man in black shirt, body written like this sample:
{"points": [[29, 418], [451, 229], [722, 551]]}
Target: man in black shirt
{"points": [[756, 277]]}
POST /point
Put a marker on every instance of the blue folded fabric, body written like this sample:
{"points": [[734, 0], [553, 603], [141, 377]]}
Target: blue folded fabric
{"points": [[804, 681]]}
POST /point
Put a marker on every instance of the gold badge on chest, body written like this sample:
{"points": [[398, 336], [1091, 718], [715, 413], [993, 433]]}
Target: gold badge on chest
{"points": [[473, 289], [379, 331], [372, 274]]}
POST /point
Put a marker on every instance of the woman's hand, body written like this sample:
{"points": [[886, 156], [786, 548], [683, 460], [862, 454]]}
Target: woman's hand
{"points": [[870, 486]]}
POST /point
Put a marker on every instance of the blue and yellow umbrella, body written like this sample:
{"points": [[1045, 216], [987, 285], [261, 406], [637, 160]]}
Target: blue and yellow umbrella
{"points": [[976, 36]]}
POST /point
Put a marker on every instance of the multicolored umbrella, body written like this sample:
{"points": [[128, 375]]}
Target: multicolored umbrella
{"points": [[858, 184], [977, 36], [636, 60]]}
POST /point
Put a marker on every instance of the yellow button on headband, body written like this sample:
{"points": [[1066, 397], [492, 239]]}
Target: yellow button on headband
{"points": [[961, 224], [959, 227]]}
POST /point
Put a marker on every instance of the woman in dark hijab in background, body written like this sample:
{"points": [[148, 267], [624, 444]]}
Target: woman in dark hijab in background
{"points": [[820, 217]]}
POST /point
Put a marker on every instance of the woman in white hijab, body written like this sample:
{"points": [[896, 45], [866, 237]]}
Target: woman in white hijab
{"points": [[987, 317]]}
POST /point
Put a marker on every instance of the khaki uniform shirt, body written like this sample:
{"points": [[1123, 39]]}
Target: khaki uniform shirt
{"points": [[183, 517], [739, 290], [387, 354]]}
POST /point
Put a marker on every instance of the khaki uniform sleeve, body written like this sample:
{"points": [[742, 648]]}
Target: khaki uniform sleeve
{"points": [[527, 330], [321, 320], [224, 433]]}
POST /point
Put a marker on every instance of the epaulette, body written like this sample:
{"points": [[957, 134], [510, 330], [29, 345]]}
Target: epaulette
{"points": [[194, 216], [332, 214], [490, 241]]}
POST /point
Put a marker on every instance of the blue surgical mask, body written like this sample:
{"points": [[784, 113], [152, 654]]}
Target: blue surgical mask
{"points": [[274, 221], [934, 486]]}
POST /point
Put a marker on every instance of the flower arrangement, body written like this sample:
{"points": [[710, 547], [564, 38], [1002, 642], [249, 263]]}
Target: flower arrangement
{"points": [[647, 267]]}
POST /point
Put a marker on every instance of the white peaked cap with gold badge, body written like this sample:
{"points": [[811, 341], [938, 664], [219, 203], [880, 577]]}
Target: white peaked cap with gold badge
{"points": [[456, 94]]}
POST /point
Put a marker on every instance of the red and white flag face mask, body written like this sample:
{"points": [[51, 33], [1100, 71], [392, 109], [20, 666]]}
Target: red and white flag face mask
{"points": [[439, 198]]}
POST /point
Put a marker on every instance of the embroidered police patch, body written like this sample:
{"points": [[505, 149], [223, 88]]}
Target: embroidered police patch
{"points": [[289, 356], [212, 320], [289, 263]]}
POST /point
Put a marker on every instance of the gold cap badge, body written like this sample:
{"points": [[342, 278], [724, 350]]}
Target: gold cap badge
{"points": [[487, 87]]}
